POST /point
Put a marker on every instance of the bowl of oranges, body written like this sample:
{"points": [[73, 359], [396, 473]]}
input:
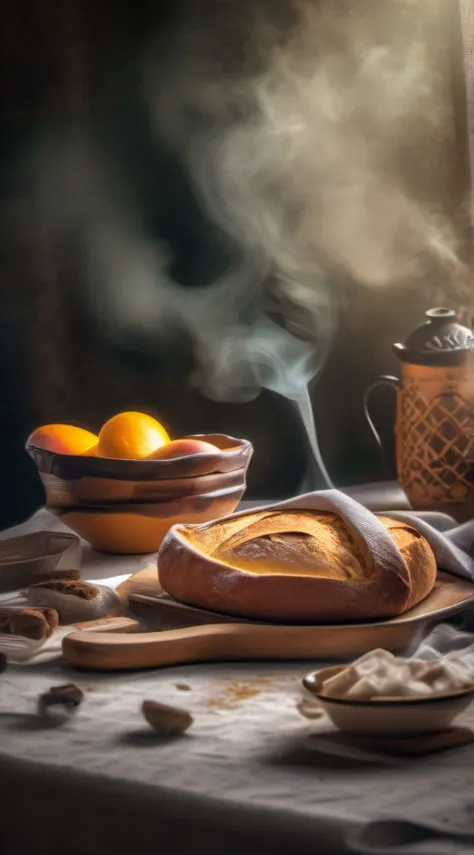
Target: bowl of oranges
{"points": [[123, 488]]}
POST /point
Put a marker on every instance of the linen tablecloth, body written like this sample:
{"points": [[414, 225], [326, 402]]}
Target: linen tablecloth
{"points": [[250, 774]]}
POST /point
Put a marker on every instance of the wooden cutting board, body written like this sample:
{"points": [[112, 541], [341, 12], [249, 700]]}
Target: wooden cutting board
{"points": [[147, 599], [209, 637], [109, 624]]}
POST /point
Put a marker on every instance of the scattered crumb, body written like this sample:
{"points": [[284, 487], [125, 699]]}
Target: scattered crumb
{"points": [[183, 687], [235, 693], [68, 696], [309, 709], [166, 721]]}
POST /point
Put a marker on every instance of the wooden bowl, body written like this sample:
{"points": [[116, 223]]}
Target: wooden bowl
{"points": [[399, 716], [140, 527], [76, 480], [123, 506]]}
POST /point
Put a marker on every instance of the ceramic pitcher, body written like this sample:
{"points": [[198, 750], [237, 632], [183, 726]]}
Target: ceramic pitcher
{"points": [[435, 415]]}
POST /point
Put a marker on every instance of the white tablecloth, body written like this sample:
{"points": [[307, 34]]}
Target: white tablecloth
{"points": [[247, 776]]}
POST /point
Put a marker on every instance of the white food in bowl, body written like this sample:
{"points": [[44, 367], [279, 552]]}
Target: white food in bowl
{"points": [[379, 674]]}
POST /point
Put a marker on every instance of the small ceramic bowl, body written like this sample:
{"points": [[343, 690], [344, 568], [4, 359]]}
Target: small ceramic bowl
{"points": [[123, 506], [399, 716]]}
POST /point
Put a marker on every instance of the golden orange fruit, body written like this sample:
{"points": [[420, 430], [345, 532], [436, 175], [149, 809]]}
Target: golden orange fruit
{"points": [[181, 448], [132, 436], [92, 451], [63, 439]]}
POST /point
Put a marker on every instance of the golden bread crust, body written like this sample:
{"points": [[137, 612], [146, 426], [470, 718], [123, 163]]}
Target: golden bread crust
{"points": [[296, 566]]}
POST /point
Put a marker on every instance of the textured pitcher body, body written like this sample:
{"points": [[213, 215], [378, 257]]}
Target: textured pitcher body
{"points": [[433, 432]]}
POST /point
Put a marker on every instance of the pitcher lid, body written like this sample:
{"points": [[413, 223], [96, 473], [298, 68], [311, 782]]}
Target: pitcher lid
{"points": [[440, 340]]}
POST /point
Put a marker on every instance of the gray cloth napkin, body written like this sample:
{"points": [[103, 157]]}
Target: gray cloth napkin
{"points": [[452, 544]]}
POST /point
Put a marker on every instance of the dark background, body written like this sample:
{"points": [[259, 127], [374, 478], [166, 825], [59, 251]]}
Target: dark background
{"points": [[74, 64]]}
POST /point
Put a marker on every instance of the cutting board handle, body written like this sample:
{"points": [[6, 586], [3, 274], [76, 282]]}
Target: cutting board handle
{"points": [[109, 624], [210, 643]]}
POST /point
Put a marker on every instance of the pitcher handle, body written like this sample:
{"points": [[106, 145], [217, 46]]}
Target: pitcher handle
{"points": [[383, 380]]}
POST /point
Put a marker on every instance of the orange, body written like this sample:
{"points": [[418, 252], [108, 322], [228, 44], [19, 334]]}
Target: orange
{"points": [[182, 448], [63, 439], [92, 451], [133, 436]]}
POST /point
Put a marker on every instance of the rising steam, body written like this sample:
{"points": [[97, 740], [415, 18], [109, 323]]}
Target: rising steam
{"points": [[294, 123]]}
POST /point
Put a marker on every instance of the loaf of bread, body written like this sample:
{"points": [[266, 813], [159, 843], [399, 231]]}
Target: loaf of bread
{"points": [[298, 566]]}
